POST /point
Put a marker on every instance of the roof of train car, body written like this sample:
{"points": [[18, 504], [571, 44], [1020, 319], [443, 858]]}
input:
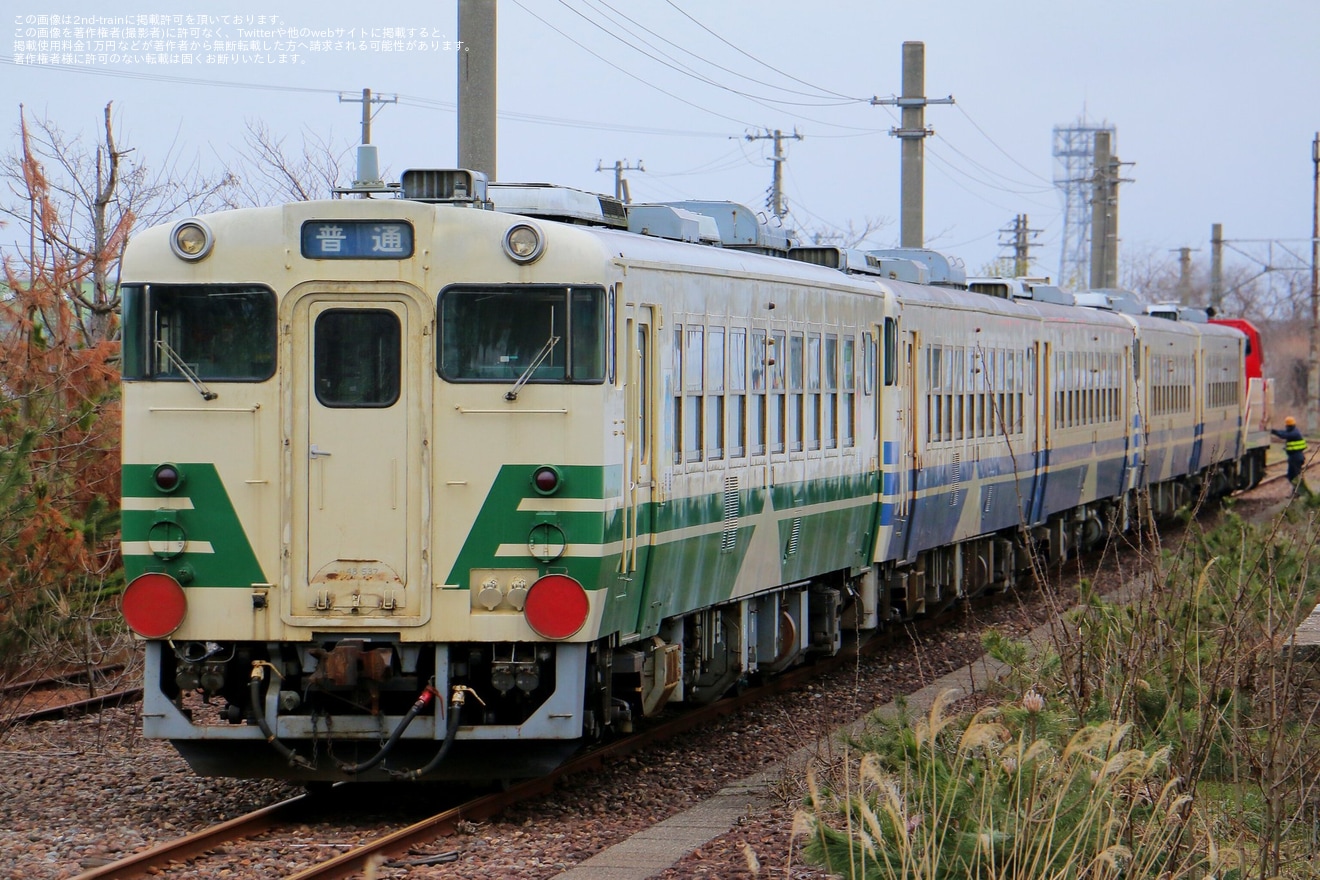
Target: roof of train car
{"points": [[631, 247]]}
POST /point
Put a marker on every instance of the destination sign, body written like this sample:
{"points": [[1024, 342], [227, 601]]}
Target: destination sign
{"points": [[356, 240]]}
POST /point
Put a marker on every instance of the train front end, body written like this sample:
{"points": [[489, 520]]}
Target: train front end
{"points": [[350, 481]]}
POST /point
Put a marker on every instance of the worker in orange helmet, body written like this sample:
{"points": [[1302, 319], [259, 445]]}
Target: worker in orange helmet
{"points": [[1294, 444]]}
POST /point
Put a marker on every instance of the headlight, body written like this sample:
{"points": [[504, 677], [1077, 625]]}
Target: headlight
{"points": [[523, 243], [191, 240]]}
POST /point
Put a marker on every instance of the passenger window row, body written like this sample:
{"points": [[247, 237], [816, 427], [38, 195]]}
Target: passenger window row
{"points": [[741, 392]]}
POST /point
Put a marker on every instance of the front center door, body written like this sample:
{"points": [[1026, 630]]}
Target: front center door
{"points": [[358, 461]]}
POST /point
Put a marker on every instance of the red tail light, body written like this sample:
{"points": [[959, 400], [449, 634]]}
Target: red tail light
{"points": [[154, 605], [556, 606]]}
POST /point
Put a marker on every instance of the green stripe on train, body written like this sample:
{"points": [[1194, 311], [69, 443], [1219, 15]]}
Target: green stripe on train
{"points": [[212, 519], [818, 526]]}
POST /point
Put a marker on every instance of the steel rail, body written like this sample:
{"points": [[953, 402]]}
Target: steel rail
{"points": [[78, 707], [70, 679], [197, 843]]}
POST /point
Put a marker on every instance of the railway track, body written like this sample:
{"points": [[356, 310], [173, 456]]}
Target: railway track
{"points": [[54, 697]]}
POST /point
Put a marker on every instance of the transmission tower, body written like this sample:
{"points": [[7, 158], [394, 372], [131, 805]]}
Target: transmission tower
{"points": [[1074, 154]]}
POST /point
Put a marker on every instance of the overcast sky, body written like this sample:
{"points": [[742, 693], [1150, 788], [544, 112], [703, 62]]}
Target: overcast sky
{"points": [[1215, 102]]}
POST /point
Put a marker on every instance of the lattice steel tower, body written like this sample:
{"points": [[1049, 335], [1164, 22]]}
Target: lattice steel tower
{"points": [[1074, 175]]}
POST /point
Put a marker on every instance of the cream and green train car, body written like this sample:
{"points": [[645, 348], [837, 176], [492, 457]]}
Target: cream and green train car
{"points": [[430, 487], [432, 490]]}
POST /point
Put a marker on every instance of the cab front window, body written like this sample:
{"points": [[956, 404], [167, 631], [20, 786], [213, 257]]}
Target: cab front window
{"points": [[218, 332], [538, 333]]}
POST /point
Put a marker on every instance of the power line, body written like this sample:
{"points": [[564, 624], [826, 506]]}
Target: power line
{"points": [[626, 73], [685, 69], [752, 57]]}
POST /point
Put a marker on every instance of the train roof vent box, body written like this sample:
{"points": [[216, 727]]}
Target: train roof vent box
{"points": [[849, 260], [1094, 299], [942, 269], [550, 202], [1120, 300], [739, 226], [1176, 312], [666, 221], [1048, 293], [445, 186]]}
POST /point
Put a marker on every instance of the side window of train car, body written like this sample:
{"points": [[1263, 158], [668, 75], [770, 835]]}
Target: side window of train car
{"points": [[812, 410], [501, 333], [891, 351], [776, 355], [211, 332], [675, 393], [692, 375], [756, 410], [868, 363], [714, 393], [847, 403], [737, 396], [796, 349], [830, 398]]}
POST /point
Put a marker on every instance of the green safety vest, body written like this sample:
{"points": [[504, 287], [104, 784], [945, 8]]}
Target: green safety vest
{"points": [[1295, 446]]}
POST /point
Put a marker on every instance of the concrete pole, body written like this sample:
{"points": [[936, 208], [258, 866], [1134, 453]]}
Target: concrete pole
{"points": [[1184, 276], [912, 132], [1100, 214], [1021, 247], [1217, 267], [476, 86], [1111, 228], [777, 191], [912, 219]]}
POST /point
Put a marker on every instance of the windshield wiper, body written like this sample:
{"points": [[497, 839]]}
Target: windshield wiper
{"points": [[173, 358], [512, 393]]}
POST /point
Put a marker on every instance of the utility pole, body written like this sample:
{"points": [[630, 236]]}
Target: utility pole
{"points": [[1074, 149], [1104, 215], [1217, 267], [1313, 374], [476, 86], [776, 203], [620, 184], [1020, 243], [368, 173], [913, 133], [1185, 276]]}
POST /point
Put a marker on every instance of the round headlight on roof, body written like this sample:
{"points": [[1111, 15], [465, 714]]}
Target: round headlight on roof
{"points": [[191, 240], [524, 243]]}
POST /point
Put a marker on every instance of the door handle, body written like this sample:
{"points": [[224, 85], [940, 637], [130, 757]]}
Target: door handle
{"points": [[313, 452]]}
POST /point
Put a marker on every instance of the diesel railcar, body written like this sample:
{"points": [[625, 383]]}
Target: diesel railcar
{"points": [[440, 485]]}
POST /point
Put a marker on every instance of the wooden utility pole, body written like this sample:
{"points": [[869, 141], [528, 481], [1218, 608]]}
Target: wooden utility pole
{"points": [[913, 133], [476, 86]]}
